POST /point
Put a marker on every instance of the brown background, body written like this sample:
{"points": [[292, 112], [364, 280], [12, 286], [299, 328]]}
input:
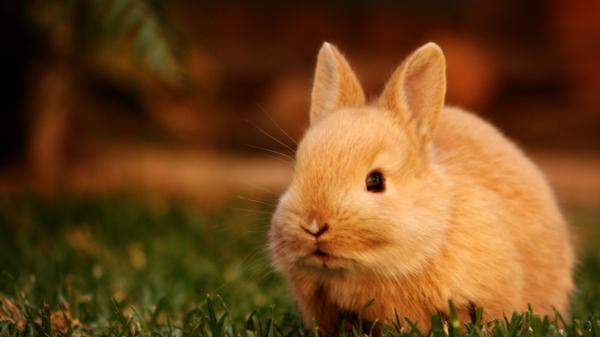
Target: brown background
{"points": [[97, 123]]}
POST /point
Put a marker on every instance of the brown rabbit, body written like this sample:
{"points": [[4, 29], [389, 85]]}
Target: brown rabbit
{"points": [[411, 204]]}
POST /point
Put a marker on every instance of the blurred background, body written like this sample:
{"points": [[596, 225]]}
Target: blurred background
{"points": [[184, 98], [143, 143]]}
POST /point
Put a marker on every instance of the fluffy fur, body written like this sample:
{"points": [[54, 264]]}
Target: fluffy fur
{"points": [[465, 216]]}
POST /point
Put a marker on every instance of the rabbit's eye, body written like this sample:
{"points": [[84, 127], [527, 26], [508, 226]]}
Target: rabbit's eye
{"points": [[375, 182]]}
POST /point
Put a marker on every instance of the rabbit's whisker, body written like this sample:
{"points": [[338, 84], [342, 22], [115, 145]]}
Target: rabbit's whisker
{"points": [[269, 135], [278, 126], [271, 151]]}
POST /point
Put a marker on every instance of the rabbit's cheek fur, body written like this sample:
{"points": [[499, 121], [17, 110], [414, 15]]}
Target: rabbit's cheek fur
{"points": [[404, 226]]}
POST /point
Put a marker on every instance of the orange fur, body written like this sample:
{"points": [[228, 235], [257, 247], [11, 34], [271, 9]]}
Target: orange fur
{"points": [[465, 215]]}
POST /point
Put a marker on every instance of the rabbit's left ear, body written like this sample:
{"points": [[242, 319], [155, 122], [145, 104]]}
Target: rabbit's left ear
{"points": [[417, 89], [335, 85]]}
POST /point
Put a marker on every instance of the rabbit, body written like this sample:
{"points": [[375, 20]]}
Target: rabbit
{"points": [[409, 204]]}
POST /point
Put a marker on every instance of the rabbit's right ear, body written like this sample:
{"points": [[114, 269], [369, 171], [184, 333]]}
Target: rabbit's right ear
{"points": [[417, 89], [335, 84]]}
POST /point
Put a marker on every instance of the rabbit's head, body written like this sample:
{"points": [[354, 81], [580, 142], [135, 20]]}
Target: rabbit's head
{"points": [[367, 198]]}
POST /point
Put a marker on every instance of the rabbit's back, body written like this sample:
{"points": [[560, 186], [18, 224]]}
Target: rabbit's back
{"points": [[504, 206]]}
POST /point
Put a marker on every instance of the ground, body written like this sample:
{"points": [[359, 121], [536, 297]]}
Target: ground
{"points": [[124, 265]]}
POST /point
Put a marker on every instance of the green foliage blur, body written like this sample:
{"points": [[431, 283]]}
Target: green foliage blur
{"points": [[76, 30], [101, 249]]}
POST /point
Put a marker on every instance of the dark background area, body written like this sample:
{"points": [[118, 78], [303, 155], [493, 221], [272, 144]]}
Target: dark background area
{"points": [[172, 96]]}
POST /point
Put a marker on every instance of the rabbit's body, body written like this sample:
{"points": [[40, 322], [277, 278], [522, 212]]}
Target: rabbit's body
{"points": [[464, 215]]}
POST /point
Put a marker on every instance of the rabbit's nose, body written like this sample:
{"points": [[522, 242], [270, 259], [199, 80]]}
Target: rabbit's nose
{"points": [[316, 229]]}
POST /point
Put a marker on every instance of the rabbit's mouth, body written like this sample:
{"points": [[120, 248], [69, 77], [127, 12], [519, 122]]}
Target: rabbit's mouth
{"points": [[322, 256], [324, 260]]}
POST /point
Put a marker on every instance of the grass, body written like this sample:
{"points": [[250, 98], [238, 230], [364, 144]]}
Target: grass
{"points": [[120, 267]]}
